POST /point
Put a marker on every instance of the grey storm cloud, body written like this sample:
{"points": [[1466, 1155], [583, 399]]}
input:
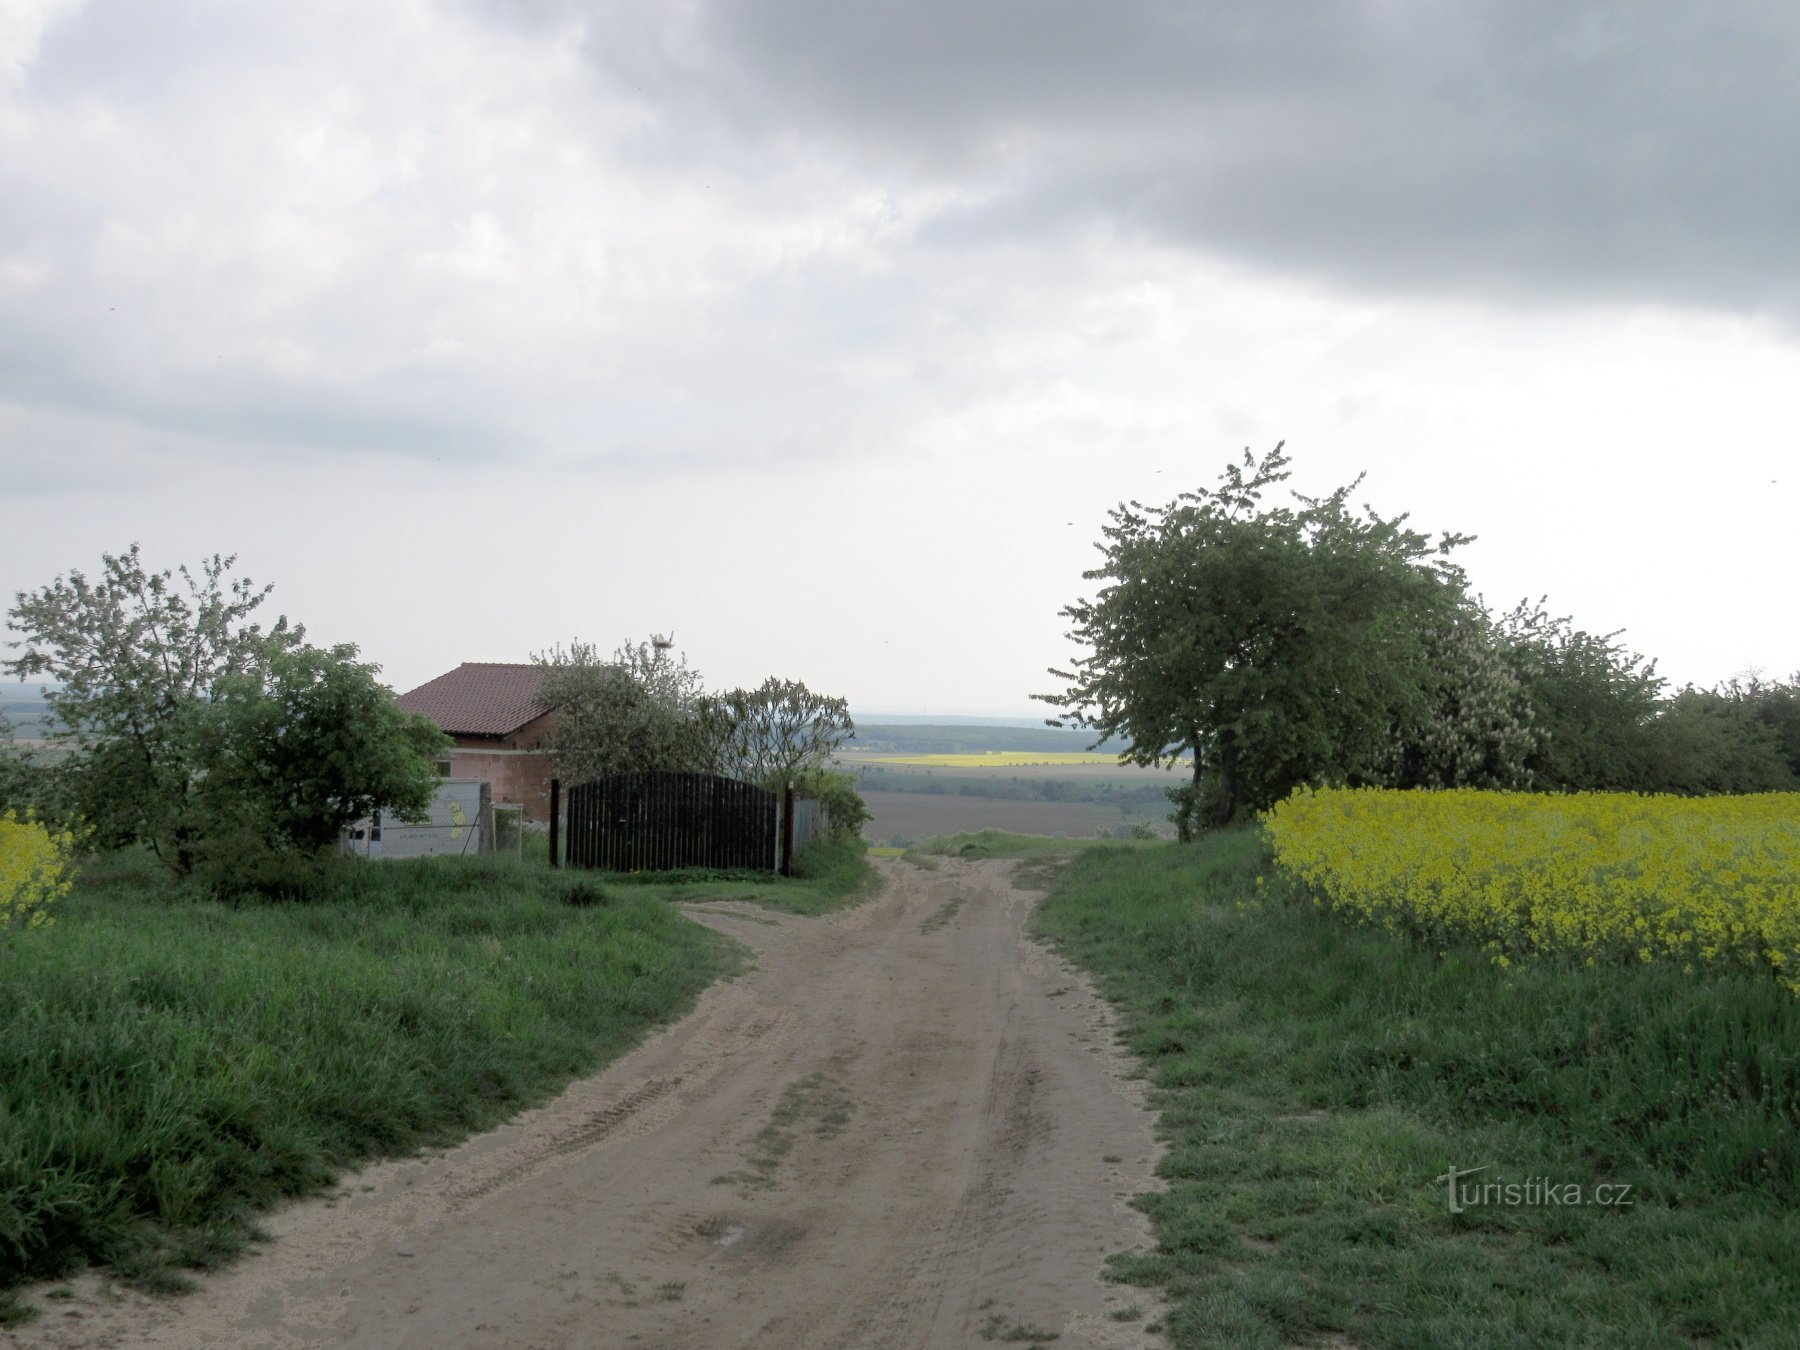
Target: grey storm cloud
{"points": [[1557, 151]]}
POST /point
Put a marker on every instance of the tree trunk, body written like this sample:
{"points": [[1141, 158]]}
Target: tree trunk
{"points": [[1187, 802], [1228, 778]]}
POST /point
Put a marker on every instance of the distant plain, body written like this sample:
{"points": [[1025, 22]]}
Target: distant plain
{"points": [[924, 780]]}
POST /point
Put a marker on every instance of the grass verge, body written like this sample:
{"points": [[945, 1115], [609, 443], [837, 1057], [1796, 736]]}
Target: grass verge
{"points": [[1040, 856], [1317, 1083], [170, 1065], [829, 874]]}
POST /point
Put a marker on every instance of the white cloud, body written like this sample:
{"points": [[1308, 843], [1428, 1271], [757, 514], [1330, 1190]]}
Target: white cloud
{"points": [[469, 341]]}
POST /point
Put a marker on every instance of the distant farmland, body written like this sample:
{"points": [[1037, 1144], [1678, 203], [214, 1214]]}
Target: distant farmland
{"points": [[1101, 768], [1000, 759], [921, 781], [919, 815]]}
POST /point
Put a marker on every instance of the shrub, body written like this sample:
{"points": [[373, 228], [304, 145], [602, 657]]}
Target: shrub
{"points": [[836, 792], [237, 864], [583, 894]]}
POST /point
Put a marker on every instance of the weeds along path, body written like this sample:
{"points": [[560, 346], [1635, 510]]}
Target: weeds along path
{"points": [[906, 1127]]}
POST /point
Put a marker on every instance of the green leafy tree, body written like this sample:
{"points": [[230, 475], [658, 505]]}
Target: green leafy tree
{"points": [[1275, 645], [136, 654], [772, 734], [296, 750], [1777, 706], [1707, 741], [1592, 701], [643, 708]]}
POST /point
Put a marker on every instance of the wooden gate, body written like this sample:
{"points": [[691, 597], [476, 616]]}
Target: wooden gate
{"points": [[655, 821]]}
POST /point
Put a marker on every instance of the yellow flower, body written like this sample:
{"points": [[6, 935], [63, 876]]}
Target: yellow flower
{"points": [[35, 870], [1604, 875]]}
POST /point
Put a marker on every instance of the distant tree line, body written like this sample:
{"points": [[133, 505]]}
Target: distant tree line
{"points": [[930, 738], [1131, 798], [1285, 644]]}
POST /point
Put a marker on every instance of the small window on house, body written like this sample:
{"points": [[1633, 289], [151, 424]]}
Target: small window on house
{"points": [[443, 768]]}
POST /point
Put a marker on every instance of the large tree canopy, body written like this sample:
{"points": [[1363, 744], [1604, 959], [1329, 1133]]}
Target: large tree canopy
{"points": [[1274, 644]]}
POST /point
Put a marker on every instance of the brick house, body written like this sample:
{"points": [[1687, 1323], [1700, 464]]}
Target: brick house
{"points": [[491, 710]]}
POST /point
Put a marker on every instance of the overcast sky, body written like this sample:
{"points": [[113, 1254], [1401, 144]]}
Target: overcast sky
{"points": [[824, 335]]}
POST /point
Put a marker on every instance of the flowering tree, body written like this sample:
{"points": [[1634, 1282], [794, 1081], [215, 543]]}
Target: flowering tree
{"points": [[642, 708], [1473, 724]]}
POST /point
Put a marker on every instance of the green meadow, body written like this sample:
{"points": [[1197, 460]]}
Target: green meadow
{"points": [[1316, 1084]]}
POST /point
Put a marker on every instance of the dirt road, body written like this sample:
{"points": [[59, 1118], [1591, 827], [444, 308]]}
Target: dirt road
{"points": [[907, 1127]]}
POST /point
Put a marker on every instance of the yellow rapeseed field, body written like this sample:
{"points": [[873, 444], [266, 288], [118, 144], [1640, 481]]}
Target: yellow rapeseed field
{"points": [[34, 871], [1601, 875]]}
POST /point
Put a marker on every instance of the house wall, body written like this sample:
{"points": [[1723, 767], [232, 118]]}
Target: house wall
{"points": [[516, 768]]}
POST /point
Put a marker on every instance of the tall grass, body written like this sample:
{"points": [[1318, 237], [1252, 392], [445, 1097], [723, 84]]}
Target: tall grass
{"points": [[1316, 1080], [170, 1064]]}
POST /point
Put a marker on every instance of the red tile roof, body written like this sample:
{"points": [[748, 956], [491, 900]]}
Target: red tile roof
{"points": [[479, 698]]}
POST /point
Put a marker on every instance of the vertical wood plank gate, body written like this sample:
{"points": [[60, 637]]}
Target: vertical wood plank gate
{"points": [[657, 820]]}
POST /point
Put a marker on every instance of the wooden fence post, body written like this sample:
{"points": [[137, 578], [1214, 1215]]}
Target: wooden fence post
{"points": [[787, 831], [555, 812]]}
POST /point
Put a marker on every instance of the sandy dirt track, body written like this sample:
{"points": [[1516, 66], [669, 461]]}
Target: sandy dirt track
{"points": [[906, 1127]]}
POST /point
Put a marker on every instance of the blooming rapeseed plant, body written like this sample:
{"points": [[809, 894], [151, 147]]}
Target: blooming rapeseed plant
{"points": [[1601, 875], [35, 870]]}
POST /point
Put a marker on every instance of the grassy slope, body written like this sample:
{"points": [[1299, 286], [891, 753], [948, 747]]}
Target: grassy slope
{"points": [[1314, 1079], [169, 1066]]}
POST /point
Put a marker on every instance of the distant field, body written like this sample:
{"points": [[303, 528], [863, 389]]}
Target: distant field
{"points": [[1000, 759], [1095, 769], [920, 816]]}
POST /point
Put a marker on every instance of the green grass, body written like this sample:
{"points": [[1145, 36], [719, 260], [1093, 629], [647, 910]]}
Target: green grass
{"points": [[1040, 856], [170, 1065], [1314, 1081], [829, 874]]}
